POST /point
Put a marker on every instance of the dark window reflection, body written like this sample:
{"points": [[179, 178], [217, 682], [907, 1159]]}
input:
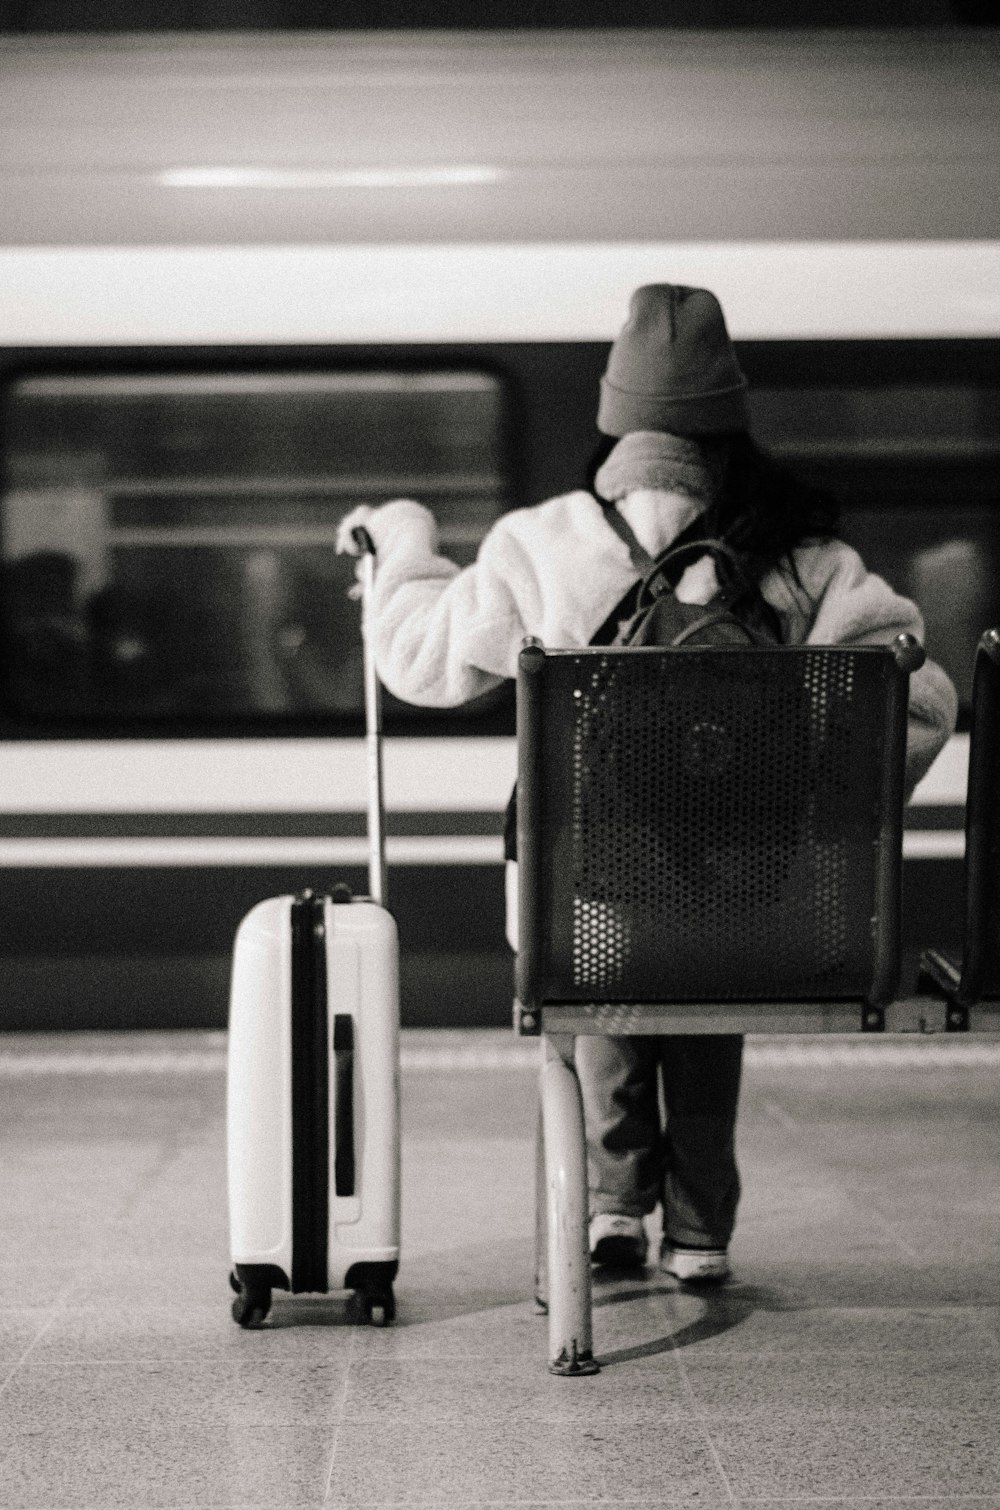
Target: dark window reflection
{"points": [[376, 15], [916, 470], [168, 541]]}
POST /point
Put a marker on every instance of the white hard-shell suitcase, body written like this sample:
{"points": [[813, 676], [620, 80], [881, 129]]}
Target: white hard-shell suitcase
{"points": [[313, 1082]]}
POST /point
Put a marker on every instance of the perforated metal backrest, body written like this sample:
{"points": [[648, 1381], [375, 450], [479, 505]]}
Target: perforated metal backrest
{"points": [[709, 825], [981, 953]]}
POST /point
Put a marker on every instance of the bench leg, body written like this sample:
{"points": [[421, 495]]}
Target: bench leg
{"points": [[541, 1218], [569, 1298]]}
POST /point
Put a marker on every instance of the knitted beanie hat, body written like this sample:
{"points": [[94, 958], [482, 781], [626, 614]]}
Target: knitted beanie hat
{"points": [[673, 367]]}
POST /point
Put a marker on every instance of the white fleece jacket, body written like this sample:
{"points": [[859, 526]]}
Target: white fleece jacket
{"points": [[556, 570]]}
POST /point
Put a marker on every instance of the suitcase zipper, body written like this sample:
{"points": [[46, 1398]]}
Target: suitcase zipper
{"points": [[310, 1096]]}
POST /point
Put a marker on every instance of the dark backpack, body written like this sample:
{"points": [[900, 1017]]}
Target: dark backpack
{"points": [[651, 614]]}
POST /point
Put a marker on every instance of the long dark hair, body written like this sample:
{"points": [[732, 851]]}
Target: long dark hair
{"points": [[761, 507]]}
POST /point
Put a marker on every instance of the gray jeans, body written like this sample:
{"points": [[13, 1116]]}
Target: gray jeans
{"points": [[690, 1164]]}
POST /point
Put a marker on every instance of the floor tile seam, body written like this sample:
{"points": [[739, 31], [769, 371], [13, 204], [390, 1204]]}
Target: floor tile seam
{"points": [[672, 1412], [163, 1154], [888, 1229], [748, 1501], [182, 1361], [715, 1361], [703, 1424], [415, 1327], [53, 1312], [169, 1150], [95, 1258], [812, 1140], [514, 1359], [338, 1419], [860, 1414], [724, 1357]]}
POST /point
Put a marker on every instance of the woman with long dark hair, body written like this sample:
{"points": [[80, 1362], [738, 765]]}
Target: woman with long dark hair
{"points": [[676, 454]]}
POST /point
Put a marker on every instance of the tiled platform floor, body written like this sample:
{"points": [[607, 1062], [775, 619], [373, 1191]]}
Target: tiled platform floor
{"points": [[853, 1362]]}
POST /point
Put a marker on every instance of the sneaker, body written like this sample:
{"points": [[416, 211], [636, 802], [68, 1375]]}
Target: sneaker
{"points": [[617, 1242], [696, 1266]]}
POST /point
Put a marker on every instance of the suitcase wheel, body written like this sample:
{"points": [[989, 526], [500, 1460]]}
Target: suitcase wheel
{"points": [[252, 1303], [371, 1307]]}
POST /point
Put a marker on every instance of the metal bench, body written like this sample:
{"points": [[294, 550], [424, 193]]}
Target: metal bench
{"points": [[709, 841], [970, 983]]}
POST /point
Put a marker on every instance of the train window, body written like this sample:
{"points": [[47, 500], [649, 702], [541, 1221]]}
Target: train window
{"points": [[915, 468], [168, 539]]}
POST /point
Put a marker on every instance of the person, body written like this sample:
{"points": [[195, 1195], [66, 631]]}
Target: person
{"points": [[674, 448]]}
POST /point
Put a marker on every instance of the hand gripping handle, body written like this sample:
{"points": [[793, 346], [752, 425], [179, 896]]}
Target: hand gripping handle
{"points": [[363, 541], [377, 877]]}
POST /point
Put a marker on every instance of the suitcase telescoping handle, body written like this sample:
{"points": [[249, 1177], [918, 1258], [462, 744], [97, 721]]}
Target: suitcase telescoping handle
{"points": [[377, 878]]}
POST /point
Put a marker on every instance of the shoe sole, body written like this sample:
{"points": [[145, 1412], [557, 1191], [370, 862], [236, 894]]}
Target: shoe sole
{"points": [[700, 1281], [618, 1253], [716, 1276]]}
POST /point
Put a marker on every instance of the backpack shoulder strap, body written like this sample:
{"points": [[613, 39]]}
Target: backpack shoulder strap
{"points": [[738, 571], [641, 559], [643, 563], [693, 535], [671, 564]]}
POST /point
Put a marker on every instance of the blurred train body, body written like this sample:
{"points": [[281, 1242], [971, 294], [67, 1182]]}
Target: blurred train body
{"points": [[249, 282]]}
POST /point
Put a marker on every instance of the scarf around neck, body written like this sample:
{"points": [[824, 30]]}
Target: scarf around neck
{"points": [[654, 459]]}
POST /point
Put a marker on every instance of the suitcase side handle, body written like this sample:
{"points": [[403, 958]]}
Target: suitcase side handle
{"points": [[343, 1060], [378, 885]]}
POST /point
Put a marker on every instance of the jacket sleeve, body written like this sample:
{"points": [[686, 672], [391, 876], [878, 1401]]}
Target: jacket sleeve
{"points": [[837, 601], [442, 635], [445, 635]]}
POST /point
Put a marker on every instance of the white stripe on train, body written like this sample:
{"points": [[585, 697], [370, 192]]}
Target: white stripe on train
{"points": [[446, 775], [549, 291], [431, 849]]}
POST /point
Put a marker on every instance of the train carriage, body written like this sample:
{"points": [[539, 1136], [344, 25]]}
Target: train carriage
{"points": [[251, 281]]}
